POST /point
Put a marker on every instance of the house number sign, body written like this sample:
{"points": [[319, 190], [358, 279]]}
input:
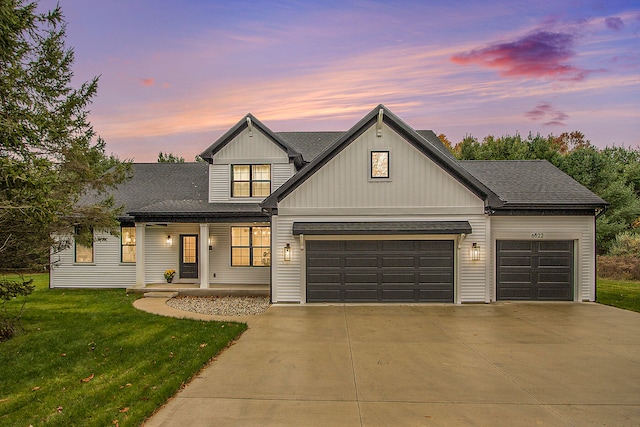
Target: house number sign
{"points": [[537, 235]]}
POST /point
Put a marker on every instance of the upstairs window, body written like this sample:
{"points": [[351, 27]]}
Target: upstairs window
{"points": [[250, 180], [379, 164], [83, 253], [128, 243], [250, 246]]}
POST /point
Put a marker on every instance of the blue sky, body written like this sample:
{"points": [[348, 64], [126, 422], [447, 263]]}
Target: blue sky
{"points": [[175, 75]]}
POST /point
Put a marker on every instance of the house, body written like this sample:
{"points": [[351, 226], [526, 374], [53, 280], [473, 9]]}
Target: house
{"points": [[380, 213]]}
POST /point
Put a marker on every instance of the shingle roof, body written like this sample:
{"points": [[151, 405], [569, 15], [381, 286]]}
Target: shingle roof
{"points": [[173, 189], [531, 183], [310, 144]]}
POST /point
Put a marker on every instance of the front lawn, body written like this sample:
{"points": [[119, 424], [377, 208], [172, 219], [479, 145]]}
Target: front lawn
{"points": [[619, 293], [89, 358]]}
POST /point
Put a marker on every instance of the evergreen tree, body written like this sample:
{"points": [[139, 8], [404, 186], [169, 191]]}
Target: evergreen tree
{"points": [[54, 174]]}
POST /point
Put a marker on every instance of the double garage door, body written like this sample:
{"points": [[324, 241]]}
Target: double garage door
{"points": [[379, 270], [534, 270], [423, 270]]}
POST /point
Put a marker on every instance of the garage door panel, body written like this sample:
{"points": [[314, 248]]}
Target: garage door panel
{"points": [[383, 271], [361, 261], [544, 272], [436, 295], [555, 246], [326, 295], [515, 261], [525, 277], [363, 277], [324, 278], [354, 294], [323, 245], [361, 246], [399, 295], [553, 261], [431, 278], [435, 261], [323, 261], [395, 261], [514, 246]]}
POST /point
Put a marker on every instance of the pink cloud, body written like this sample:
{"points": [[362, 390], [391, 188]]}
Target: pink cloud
{"points": [[545, 111], [540, 54], [148, 82], [615, 23]]}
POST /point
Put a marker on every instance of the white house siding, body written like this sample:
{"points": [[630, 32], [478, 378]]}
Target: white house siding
{"points": [[106, 272], [243, 149], [415, 181], [160, 256], [580, 229], [220, 260]]}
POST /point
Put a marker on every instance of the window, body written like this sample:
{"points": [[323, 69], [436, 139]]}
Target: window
{"points": [[250, 246], [379, 164], [250, 180], [128, 243], [83, 253]]}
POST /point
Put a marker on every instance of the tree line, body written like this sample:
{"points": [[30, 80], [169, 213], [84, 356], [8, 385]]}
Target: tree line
{"points": [[613, 173]]}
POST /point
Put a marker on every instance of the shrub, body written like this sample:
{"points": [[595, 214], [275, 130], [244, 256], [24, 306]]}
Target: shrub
{"points": [[622, 267], [10, 314], [626, 243]]}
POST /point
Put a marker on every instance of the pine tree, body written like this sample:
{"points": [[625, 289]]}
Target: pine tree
{"points": [[51, 161]]}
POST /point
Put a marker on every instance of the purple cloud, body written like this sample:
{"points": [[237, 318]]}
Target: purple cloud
{"points": [[615, 23], [541, 54], [545, 111]]}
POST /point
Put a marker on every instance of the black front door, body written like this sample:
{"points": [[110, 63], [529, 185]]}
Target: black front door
{"points": [[188, 256]]}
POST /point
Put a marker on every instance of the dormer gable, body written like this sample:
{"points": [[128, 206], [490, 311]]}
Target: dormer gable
{"points": [[251, 126]]}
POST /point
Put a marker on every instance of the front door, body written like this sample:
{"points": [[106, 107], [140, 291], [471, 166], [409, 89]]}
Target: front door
{"points": [[188, 256]]}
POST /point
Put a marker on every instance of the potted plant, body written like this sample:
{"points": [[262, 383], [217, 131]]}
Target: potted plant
{"points": [[168, 274]]}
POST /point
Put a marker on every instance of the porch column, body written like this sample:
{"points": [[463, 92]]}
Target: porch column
{"points": [[140, 251], [204, 255]]}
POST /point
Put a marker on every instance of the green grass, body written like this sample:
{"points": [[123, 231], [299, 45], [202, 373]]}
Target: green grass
{"points": [[619, 293], [131, 361]]}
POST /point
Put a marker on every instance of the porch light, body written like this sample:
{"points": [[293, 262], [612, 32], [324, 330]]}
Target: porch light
{"points": [[475, 252], [287, 252], [169, 240]]}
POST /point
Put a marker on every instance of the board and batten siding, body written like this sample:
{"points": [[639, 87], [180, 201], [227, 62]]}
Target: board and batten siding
{"points": [[106, 272], [220, 259], [580, 229], [289, 276], [415, 181], [245, 149]]}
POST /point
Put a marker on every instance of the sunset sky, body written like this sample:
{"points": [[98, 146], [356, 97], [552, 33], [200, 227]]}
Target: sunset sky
{"points": [[175, 75]]}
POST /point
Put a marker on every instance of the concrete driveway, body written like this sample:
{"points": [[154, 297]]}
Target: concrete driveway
{"points": [[556, 364]]}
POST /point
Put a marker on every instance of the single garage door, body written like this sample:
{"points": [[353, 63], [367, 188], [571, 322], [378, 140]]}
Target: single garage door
{"points": [[379, 271], [535, 270]]}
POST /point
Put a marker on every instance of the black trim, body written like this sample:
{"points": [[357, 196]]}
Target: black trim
{"points": [[532, 211], [381, 228]]}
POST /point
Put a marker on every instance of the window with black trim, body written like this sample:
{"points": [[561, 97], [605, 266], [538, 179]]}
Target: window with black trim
{"points": [[83, 254], [251, 246], [128, 243], [379, 164], [250, 180]]}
